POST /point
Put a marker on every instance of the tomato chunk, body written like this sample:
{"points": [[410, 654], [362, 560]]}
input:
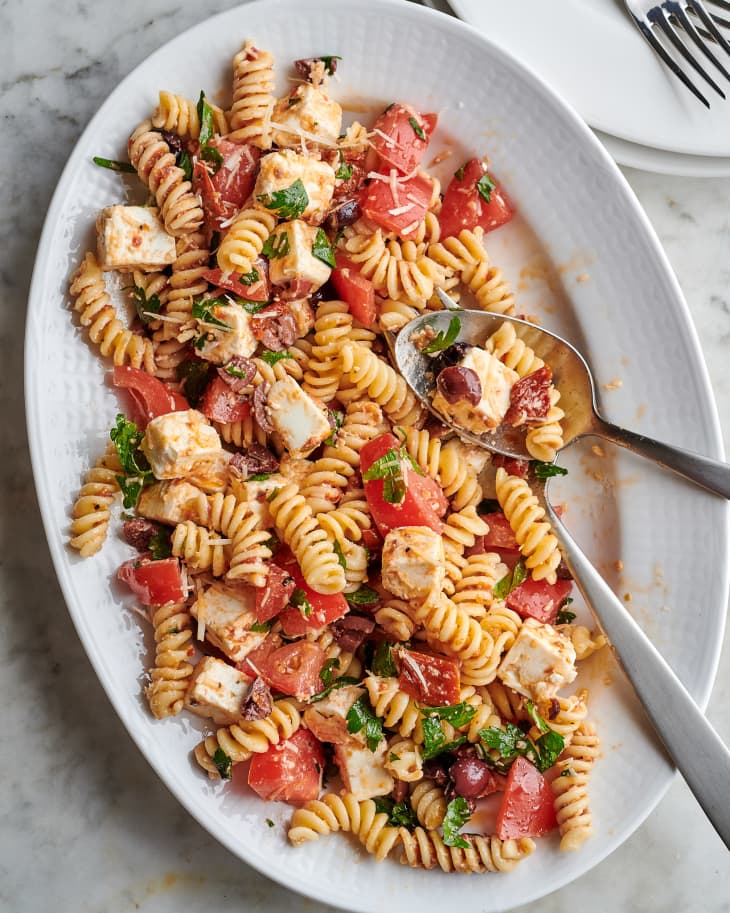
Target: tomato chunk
{"points": [[150, 396], [433, 680], [402, 135], [530, 398], [290, 771], [294, 669], [256, 290], [249, 665], [464, 207], [154, 582], [355, 290], [538, 599], [222, 404], [324, 608], [272, 598], [402, 211], [500, 533], [527, 806], [424, 502], [225, 192]]}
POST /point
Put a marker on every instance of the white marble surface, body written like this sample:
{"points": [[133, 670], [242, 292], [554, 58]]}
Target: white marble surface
{"points": [[84, 823]]}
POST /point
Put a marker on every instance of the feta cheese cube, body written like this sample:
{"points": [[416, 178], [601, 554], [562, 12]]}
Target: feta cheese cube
{"points": [[228, 614], [173, 502], [235, 338], [217, 690], [539, 663], [176, 442], [303, 314], [413, 562], [327, 719], [363, 771], [256, 495], [279, 170], [307, 108], [299, 262], [300, 421], [133, 237], [496, 380]]}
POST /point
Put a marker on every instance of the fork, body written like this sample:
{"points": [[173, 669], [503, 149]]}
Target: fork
{"points": [[650, 17]]}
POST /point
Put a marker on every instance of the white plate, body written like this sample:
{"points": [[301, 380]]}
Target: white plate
{"points": [[660, 161], [592, 54], [580, 234]]}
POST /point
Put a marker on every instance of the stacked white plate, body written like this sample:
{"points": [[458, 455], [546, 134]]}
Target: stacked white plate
{"points": [[593, 55]]}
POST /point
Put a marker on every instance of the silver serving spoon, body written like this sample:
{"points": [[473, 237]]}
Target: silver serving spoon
{"points": [[690, 740], [571, 375]]}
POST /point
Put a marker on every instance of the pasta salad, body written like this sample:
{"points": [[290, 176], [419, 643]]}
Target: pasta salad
{"points": [[344, 591]]}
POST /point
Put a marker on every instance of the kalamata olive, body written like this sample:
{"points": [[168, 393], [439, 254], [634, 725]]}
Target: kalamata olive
{"points": [[173, 141], [457, 383], [433, 769], [451, 356], [345, 214], [472, 778]]}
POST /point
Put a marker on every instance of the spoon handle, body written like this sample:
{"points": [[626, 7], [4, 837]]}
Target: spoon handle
{"points": [[710, 474], [690, 740]]}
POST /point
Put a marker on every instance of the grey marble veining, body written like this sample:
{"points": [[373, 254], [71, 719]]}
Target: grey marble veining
{"points": [[85, 825]]}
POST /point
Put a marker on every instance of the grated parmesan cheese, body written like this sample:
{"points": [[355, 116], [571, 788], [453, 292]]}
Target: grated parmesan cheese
{"points": [[400, 210], [312, 137]]}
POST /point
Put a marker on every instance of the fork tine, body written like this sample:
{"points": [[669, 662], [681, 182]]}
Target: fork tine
{"points": [[723, 4], [702, 45], [709, 23], [665, 25], [658, 47]]}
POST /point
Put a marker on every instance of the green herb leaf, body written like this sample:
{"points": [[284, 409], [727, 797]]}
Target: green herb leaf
{"points": [[161, 545], [224, 764], [293, 100], [205, 116], [212, 155], [260, 477], [504, 587], [457, 814], [344, 172], [262, 627], [417, 129], [113, 165], [272, 358], [383, 663], [145, 307], [252, 307], [137, 472], [341, 682], [299, 600], [194, 376], [549, 747], [327, 672], [361, 717], [565, 617], [276, 246], [389, 468], [338, 418], [362, 596], [288, 203], [341, 560], [459, 173], [456, 714], [434, 740], [250, 278], [512, 742], [443, 341], [547, 470], [272, 494], [202, 310], [328, 65], [321, 248], [400, 814], [485, 185], [183, 161], [270, 822]]}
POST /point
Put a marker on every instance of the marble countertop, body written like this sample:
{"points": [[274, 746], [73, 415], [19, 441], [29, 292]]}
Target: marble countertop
{"points": [[85, 825]]}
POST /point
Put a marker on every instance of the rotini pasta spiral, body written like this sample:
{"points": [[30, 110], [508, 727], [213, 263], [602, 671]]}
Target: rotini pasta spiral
{"points": [[187, 280], [97, 313], [348, 520], [394, 706], [507, 346], [460, 532], [244, 738], [383, 263], [92, 508], [285, 367], [347, 662], [333, 326], [571, 787], [450, 463], [486, 282], [253, 102], [544, 440], [404, 759], [323, 486], [426, 849], [458, 252], [380, 382], [429, 803], [334, 813], [526, 517], [172, 669], [200, 550], [500, 626], [566, 717], [457, 634], [394, 619], [177, 114], [249, 553], [584, 642], [308, 541], [155, 164], [244, 240], [241, 434], [474, 591], [392, 315]]}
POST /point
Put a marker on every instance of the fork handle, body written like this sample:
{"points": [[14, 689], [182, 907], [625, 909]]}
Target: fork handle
{"points": [[690, 740], [710, 474]]}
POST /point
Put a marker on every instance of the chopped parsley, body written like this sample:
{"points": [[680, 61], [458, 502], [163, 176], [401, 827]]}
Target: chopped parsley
{"points": [[485, 185], [276, 246], [361, 717], [252, 307], [299, 600], [272, 358], [341, 560], [510, 581], [145, 307], [565, 617], [417, 128], [342, 682], [362, 596], [457, 814], [207, 132], [293, 100], [512, 742], [444, 340], [389, 468], [249, 278], [338, 418], [344, 171], [289, 202], [400, 814], [321, 248], [113, 165], [456, 714], [194, 376], [262, 627], [434, 740], [547, 470], [223, 763], [459, 173], [329, 64], [269, 822], [260, 477], [203, 310], [137, 472], [383, 663], [327, 672], [183, 161], [160, 544]]}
